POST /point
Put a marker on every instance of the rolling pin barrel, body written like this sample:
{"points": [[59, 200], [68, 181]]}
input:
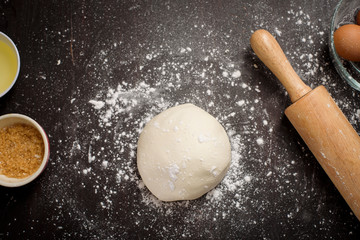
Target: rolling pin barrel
{"points": [[318, 120]]}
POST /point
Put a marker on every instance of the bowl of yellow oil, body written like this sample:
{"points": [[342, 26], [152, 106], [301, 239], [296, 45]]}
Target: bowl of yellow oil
{"points": [[9, 64]]}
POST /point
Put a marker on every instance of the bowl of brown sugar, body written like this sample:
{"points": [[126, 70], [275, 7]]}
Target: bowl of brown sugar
{"points": [[24, 150]]}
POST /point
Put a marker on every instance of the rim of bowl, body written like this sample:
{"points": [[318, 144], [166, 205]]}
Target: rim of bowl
{"points": [[20, 118], [18, 60], [344, 74]]}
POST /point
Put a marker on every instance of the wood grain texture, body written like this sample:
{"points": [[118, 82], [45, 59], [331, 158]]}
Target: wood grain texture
{"points": [[318, 120], [269, 51], [332, 140]]}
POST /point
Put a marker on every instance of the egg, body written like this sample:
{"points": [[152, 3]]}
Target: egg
{"points": [[347, 42]]}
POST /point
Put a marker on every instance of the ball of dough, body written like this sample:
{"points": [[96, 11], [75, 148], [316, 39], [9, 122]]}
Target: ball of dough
{"points": [[183, 153]]}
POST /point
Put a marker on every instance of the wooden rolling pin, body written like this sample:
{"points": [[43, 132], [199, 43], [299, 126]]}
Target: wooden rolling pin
{"points": [[318, 120]]}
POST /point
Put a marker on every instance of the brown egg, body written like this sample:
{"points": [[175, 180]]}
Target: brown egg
{"points": [[347, 42]]}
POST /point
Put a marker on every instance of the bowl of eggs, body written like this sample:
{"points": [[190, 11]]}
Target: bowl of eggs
{"points": [[24, 150], [344, 41]]}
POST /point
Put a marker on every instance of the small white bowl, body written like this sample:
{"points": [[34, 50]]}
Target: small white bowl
{"points": [[5, 39], [14, 118]]}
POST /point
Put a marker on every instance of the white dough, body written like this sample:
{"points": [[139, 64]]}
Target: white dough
{"points": [[183, 153]]}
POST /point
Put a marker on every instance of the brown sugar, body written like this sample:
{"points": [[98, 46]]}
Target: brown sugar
{"points": [[21, 150]]}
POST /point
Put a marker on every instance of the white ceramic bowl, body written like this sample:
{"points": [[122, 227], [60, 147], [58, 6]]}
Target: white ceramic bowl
{"points": [[13, 118], [5, 39]]}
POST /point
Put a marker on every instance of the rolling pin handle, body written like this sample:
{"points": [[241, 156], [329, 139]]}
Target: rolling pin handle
{"points": [[270, 53]]}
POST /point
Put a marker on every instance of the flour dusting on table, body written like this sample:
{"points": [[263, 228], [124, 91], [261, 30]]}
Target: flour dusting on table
{"points": [[215, 74]]}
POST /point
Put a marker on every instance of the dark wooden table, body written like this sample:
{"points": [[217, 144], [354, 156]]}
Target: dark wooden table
{"points": [[92, 74]]}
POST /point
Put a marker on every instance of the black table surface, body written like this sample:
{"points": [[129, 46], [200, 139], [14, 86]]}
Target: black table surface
{"points": [[94, 72]]}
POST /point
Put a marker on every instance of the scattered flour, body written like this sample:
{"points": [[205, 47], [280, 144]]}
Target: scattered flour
{"points": [[109, 116]]}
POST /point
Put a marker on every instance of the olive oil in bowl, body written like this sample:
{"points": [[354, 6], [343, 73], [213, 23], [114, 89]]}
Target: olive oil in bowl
{"points": [[9, 64]]}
